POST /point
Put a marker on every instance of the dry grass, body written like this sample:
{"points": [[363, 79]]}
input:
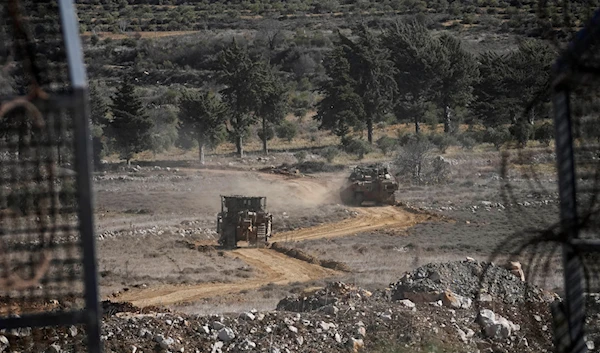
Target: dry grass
{"points": [[376, 259], [142, 34], [160, 259]]}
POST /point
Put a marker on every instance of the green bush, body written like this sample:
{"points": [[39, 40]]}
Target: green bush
{"points": [[269, 133], [287, 130], [466, 141], [442, 141], [357, 147], [301, 156], [329, 153], [544, 133], [387, 144], [94, 39], [405, 138], [497, 136], [522, 132]]}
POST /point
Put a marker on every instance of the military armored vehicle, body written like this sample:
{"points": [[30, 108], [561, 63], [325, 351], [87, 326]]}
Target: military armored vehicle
{"points": [[371, 183], [243, 218]]}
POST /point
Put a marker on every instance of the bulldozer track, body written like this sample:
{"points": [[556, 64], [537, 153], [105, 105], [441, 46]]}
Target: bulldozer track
{"points": [[275, 267], [368, 219]]}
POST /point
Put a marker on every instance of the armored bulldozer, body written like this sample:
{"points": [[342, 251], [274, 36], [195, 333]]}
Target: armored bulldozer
{"points": [[371, 183], [243, 218]]}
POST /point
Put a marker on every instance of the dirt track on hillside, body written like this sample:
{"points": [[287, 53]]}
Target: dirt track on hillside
{"points": [[274, 268], [368, 219], [277, 268]]}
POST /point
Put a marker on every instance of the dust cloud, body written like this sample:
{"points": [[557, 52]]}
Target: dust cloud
{"points": [[282, 193]]}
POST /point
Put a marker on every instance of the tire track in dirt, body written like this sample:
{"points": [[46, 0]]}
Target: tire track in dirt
{"points": [[274, 268], [369, 219]]}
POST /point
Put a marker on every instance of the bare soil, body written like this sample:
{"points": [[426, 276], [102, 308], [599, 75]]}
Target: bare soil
{"points": [[157, 244], [160, 244]]}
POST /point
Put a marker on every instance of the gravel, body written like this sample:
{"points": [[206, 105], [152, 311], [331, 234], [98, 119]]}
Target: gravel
{"points": [[351, 320], [469, 279]]}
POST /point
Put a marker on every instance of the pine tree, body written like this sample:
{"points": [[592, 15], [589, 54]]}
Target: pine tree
{"points": [[273, 107], [341, 107], [246, 86], [202, 117], [98, 114], [514, 86], [493, 101], [373, 72], [456, 72], [130, 125], [414, 53]]}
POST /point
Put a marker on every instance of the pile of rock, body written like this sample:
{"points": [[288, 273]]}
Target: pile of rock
{"points": [[337, 318], [460, 282], [327, 299]]}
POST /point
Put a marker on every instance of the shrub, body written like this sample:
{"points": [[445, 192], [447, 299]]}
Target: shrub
{"points": [[467, 141], [521, 131], [269, 133], [405, 137], [330, 153], [411, 159], [496, 136], [301, 156], [416, 163], [442, 141], [386, 144], [94, 40], [287, 130], [544, 133], [357, 147], [439, 171]]}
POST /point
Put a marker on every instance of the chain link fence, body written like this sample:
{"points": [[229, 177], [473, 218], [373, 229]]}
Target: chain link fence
{"points": [[48, 282]]}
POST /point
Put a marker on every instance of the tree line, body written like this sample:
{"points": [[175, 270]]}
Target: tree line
{"points": [[252, 91], [402, 73], [407, 73]]}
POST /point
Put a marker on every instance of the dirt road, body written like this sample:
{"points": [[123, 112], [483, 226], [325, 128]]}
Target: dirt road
{"points": [[274, 268], [277, 268], [368, 219]]}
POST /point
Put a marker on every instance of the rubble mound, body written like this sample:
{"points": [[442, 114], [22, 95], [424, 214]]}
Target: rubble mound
{"points": [[336, 293], [110, 308], [343, 319], [470, 279]]}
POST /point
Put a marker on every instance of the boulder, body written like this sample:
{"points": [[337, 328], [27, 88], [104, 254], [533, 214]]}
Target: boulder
{"points": [[330, 309], [4, 344], [356, 345], [421, 297], [247, 316], [495, 326], [226, 334], [217, 325], [455, 301], [515, 268], [247, 345]]}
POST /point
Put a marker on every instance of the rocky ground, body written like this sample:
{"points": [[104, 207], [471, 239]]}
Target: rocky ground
{"points": [[447, 316], [393, 289]]}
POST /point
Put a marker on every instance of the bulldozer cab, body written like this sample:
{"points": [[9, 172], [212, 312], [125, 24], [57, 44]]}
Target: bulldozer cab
{"points": [[239, 203]]}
